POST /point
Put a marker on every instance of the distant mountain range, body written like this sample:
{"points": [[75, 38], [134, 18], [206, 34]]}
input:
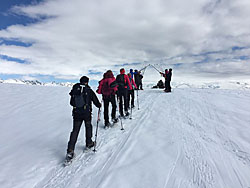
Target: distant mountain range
{"points": [[36, 82], [215, 85], [204, 85]]}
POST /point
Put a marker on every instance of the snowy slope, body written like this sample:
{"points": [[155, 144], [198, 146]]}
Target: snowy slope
{"points": [[188, 138]]}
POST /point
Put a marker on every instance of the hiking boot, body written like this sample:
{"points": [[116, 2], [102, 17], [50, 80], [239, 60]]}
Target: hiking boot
{"points": [[107, 125], [90, 145], [114, 120], [127, 114], [132, 106], [70, 155]]}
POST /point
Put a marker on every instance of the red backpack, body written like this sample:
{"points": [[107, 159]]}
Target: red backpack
{"points": [[107, 90]]}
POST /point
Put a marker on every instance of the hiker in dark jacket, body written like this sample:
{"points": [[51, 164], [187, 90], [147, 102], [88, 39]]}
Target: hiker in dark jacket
{"points": [[123, 85], [168, 80], [138, 79], [82, 111], [108, 87], [167, 76], [131, 92]]}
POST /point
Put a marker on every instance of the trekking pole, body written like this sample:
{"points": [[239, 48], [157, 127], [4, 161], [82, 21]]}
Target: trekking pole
{"points": [[131, 112], [120, 114], [121, 123], [155, 68], [98, 119], [144, 67], [138, 100]]}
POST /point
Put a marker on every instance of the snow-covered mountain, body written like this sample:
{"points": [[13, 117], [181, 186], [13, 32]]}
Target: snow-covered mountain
{"points": [[207, 85], [201, 85], [214, 85], [190, 138], [36, 82]]}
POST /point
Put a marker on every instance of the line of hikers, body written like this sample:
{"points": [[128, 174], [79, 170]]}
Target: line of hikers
{"points": [[82, 97]]}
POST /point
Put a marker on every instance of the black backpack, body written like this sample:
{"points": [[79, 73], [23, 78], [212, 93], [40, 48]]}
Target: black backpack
{"points": [[121, 81], [80, 99]]}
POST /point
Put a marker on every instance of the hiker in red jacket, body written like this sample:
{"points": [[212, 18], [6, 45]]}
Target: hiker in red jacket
{"points": [[123, 86], [131, 92], [108, 87]]}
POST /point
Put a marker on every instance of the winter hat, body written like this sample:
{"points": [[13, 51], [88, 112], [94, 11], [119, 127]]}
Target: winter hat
{"points": [[109, 74], [122, 71], [84, 80]]}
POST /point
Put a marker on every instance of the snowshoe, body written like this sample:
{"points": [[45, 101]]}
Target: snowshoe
{"points": [[127, 115], [107, 125], [115, 120], [122, 116], [69, 158], [90, 145]]}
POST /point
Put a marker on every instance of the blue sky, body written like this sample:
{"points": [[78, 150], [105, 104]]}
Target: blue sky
{"points": [[61, 40], [9, 18]]}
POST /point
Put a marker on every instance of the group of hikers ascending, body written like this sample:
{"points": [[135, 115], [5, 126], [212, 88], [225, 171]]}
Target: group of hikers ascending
{"points": [[82, 97]]}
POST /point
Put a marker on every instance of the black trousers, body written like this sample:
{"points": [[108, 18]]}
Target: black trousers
{"points": [[123, 99], [167, 86], [77, 123], [132, 94], [137, 83], [140, 86], [107, 100]]}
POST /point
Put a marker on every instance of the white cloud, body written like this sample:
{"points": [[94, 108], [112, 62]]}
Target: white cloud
{"points": [[83, 35]]}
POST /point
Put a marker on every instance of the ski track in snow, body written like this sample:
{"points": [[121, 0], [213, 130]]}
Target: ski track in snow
{"points": [[190, 138]]}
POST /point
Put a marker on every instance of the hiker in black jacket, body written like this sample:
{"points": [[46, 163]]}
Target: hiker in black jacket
{"points": [[168, 80], [82, 97], [138, 79], [167, 76]]}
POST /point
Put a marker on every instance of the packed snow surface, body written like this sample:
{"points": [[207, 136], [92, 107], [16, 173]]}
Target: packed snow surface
{"points": [[190, 138]]}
